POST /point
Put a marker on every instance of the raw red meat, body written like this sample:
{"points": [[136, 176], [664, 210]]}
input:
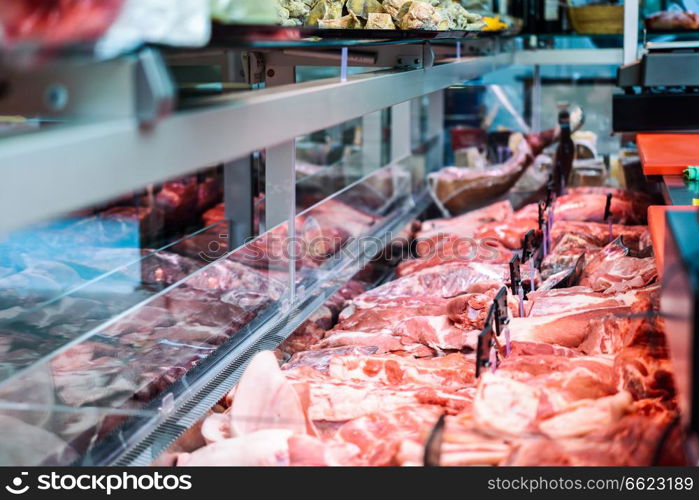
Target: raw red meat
{"points": [[509, 233], [418, 335], [409, 324], [590, 207], [214, 215], [56, 22], [207, 308], [383, 342], [339, 400], [464, 225], [580, 298], [526, 348], [612, 271], [319, 359], [454, 249], [579, 235], [379, 435], [185, 334], [229, 276], [559, 404], [309, 333], [453, 372], [564, 329], [100, 379], [384, 314], [646, 375], [209, 192], [167, 268], [566, 254], [640, 199], [462, 444], [177, 200], [143, 320], [631, 441], [446, 281]]}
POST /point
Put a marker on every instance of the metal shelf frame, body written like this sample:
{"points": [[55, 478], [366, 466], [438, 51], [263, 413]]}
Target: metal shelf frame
{"points": [[75, 165]]}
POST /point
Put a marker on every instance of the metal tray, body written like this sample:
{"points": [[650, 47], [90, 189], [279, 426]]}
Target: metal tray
{"points": [[254, 35]]}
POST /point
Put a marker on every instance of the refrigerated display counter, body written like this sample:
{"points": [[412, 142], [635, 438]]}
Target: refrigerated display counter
{"points": [[235, 260]]}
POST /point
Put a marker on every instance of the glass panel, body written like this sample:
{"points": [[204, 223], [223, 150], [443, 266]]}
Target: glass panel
{"points": [[337, 231], [330, 160], [69, 356]]}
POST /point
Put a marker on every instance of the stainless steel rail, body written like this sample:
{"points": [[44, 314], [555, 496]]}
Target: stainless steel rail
{"points": [[72, 166]]}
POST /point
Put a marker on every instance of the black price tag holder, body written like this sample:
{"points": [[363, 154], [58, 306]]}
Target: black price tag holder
{"points": [[433, 446], [543, 227], [608, 216], [531, 252], [572, 277], [486, 352], [516, 281], [502, 318]]}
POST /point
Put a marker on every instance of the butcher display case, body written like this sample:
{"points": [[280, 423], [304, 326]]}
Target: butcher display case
{"points": [[171, 212]]}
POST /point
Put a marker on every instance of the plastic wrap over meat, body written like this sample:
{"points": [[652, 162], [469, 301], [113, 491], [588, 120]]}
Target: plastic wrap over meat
{"points": [[447, 280], [570, 239], [611, 270]]}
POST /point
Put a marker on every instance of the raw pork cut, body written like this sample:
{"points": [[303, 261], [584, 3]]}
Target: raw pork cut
{"points": [[564, 329], [319, 359], [309, 333], [560, 403], [463, 226], [462, 444], [639, 199], [446, 281], [455, 249], [339, 400], [579, 298], [590, 207], [453, 372], [409, 324], [379, 435], [611, 270], [509, 233], [631, 441], [596, 234]]}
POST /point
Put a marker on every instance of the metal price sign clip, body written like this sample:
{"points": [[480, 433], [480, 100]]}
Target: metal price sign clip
{"points": [[486, 344], [608, 215]]}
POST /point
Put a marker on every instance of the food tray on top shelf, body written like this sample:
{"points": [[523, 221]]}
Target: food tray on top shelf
{"points": [[246, 35]]}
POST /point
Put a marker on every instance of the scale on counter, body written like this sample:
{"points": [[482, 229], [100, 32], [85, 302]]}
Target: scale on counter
{"points": [[661, 90]]}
